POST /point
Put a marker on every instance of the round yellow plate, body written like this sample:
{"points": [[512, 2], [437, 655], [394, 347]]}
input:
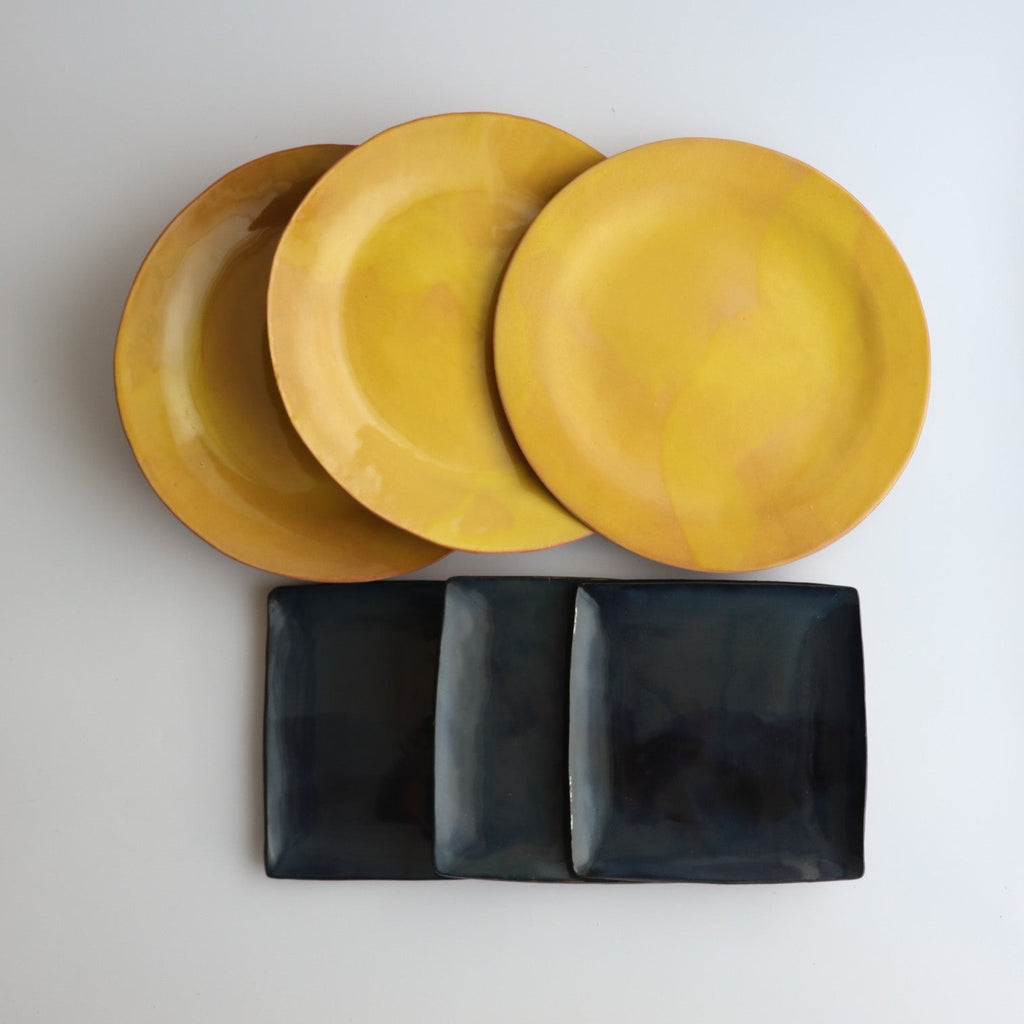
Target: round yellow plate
{"points": [[712, 354], [197, 395], [380, 311]]}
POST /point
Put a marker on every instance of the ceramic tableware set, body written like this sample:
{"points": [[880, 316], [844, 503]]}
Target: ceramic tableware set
{"points": [[475, 332]]}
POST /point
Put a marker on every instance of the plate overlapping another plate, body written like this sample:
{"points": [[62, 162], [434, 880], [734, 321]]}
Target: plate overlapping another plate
{"points": [[380, 309], [705, 350], [537, 729], [198, 400]]}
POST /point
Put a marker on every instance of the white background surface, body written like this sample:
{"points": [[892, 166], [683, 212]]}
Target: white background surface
{"points": [[131, 885]]}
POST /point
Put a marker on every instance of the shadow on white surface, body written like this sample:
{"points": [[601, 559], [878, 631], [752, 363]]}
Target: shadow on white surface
{"points": [[256, 658]]}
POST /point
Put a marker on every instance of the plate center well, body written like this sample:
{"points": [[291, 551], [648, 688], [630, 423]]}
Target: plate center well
{"points": [[416, 331]]}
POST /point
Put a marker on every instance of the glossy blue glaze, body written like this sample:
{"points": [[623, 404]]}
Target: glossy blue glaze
{"points": [[717, 732], [349, 741], [501, 771]]}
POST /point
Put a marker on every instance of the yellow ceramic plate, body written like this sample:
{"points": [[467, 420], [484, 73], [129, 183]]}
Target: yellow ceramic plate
{"points": [[712, 354], [197, 394], [380, 309]]}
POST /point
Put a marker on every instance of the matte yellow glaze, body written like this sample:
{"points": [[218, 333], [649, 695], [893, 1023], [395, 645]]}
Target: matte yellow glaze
{"points": [[380, 311], [712, 354], [198, 399]]}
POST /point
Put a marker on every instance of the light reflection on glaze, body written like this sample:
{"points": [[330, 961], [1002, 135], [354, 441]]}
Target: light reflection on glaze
{"points": [[232, 381], [460, 748], [590, 755]]}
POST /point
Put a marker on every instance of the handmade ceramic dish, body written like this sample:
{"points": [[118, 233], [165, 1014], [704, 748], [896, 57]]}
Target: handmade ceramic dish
{"points": [[349, 730], [380, 307], [501, 789], [717, 732], [198, 399], [712, 354]]}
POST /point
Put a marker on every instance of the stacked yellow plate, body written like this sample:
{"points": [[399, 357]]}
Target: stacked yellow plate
{"points": [[473, 332]]}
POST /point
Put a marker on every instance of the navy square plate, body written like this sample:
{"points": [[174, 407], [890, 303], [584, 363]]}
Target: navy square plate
{"points": [[348, 729], [501, 770], [717, 732]]}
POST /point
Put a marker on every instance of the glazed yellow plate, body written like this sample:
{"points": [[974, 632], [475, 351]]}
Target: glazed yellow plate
{"points": [[380, 312], [197, 395], [712, 354]]}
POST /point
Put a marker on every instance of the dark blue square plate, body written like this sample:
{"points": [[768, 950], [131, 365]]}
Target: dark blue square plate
{"points": [[717, 732], [349, 738], [501, 771]]}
